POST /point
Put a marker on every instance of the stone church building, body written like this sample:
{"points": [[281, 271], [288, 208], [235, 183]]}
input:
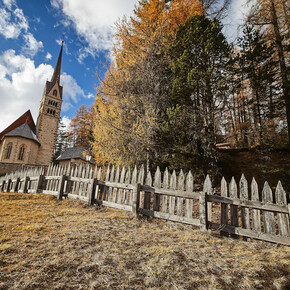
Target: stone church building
{"points": [[24, 142]]}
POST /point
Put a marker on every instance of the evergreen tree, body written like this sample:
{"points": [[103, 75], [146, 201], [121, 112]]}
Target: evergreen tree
{"points": [[200, 57], [259, 68], [62, 141]]}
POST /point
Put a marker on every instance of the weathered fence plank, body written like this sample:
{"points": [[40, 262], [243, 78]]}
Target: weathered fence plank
{"points": [[283, 220]]}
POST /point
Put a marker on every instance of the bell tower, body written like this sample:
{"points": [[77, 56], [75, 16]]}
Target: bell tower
{"points": [[49, 115]]}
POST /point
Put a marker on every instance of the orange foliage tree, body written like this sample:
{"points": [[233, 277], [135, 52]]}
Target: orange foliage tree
{"points": [[134, 94]]}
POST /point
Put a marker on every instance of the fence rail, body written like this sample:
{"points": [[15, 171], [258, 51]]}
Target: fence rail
{"points": [[234, 210]]}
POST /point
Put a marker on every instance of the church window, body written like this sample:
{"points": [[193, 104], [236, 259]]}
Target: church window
{"points": [[21, 153], [55, 93], [8, 152]]}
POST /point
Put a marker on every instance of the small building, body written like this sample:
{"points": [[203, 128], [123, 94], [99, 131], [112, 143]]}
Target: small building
{"points": [[75, 156]]}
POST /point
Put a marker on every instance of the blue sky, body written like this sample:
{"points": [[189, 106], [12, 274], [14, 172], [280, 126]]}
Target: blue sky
{"points": [[30, 36]]}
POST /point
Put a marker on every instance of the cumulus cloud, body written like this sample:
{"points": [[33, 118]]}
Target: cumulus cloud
{"points": [[94, 20], [22, 84], [32, 46], [14, 24]]}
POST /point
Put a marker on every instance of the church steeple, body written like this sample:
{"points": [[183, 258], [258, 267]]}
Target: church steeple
{"points": [[49, 115], [56, 74]]}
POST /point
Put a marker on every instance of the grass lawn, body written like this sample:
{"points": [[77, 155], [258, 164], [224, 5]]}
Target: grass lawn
{"points": [[46, 244]]}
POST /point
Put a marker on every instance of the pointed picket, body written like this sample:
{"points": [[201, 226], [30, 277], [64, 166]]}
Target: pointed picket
{"points": [[189, 188], [165, 184], [180, 199], [256, 212], [115, 190], [147, 196], [157, 178], [233, 190], [134, 176], [112, 175], [122, 180], [127, 181], [224, 207], [108, 174], [148, 179], [268, 217], [157, 184], [172, 198], [141, 175], [244, 195], [99, 174], [283, 221]]}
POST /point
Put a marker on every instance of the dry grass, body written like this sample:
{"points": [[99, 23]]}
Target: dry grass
{"points": [[65, 245]]}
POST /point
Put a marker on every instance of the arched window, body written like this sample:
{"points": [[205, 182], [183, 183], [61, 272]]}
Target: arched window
{"points": [[53, 113], [8, 151], [55, 93], [21, 152]]}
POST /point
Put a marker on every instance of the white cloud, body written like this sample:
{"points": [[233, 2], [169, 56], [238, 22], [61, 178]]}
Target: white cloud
{"points": [[9, 3], [237, 12], [71, 90], [66, 121], [22, 84], [12, 23], [94, 20], [48, 56], [32, 46], [90, 96]]}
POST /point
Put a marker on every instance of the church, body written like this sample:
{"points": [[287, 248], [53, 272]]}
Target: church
{"points": [[24, 142]]}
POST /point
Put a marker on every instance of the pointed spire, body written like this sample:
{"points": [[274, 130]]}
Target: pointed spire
{"points": [[56, 74]]}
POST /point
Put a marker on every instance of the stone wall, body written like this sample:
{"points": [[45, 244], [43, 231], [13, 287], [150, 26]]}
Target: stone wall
{"points": [[30, 152]]}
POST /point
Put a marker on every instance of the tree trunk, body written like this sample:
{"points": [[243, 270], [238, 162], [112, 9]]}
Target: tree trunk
{"points": [[283, 68]]}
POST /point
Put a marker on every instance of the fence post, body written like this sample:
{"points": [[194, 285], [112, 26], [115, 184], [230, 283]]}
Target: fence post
{"points": [[3, 185], [136, 199], [39, 184], [61, 187], [204, 214], [26, 180], [8, 185], [203, 210], [15, 189], [92, 191]]}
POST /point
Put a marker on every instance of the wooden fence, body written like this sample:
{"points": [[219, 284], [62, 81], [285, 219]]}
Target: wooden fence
{"points": [[234, 209]]}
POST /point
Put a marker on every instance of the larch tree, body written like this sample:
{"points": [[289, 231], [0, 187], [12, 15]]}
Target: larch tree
{"points": [[138, 82]]}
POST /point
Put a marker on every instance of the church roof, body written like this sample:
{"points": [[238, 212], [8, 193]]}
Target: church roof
{"points": [[25, 118], [23, 131], [56, 75], [73, 153]]}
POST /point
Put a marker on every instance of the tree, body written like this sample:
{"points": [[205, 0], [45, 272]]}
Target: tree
{"points": [[136, 87], [259, 69], [62, 141], [81, 127], [272, 16], [200, 56]]}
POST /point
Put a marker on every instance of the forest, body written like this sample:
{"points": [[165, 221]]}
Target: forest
{"points": [[176, 91]]}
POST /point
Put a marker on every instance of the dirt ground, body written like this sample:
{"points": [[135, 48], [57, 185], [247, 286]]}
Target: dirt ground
{"points": [[46, 244]]}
